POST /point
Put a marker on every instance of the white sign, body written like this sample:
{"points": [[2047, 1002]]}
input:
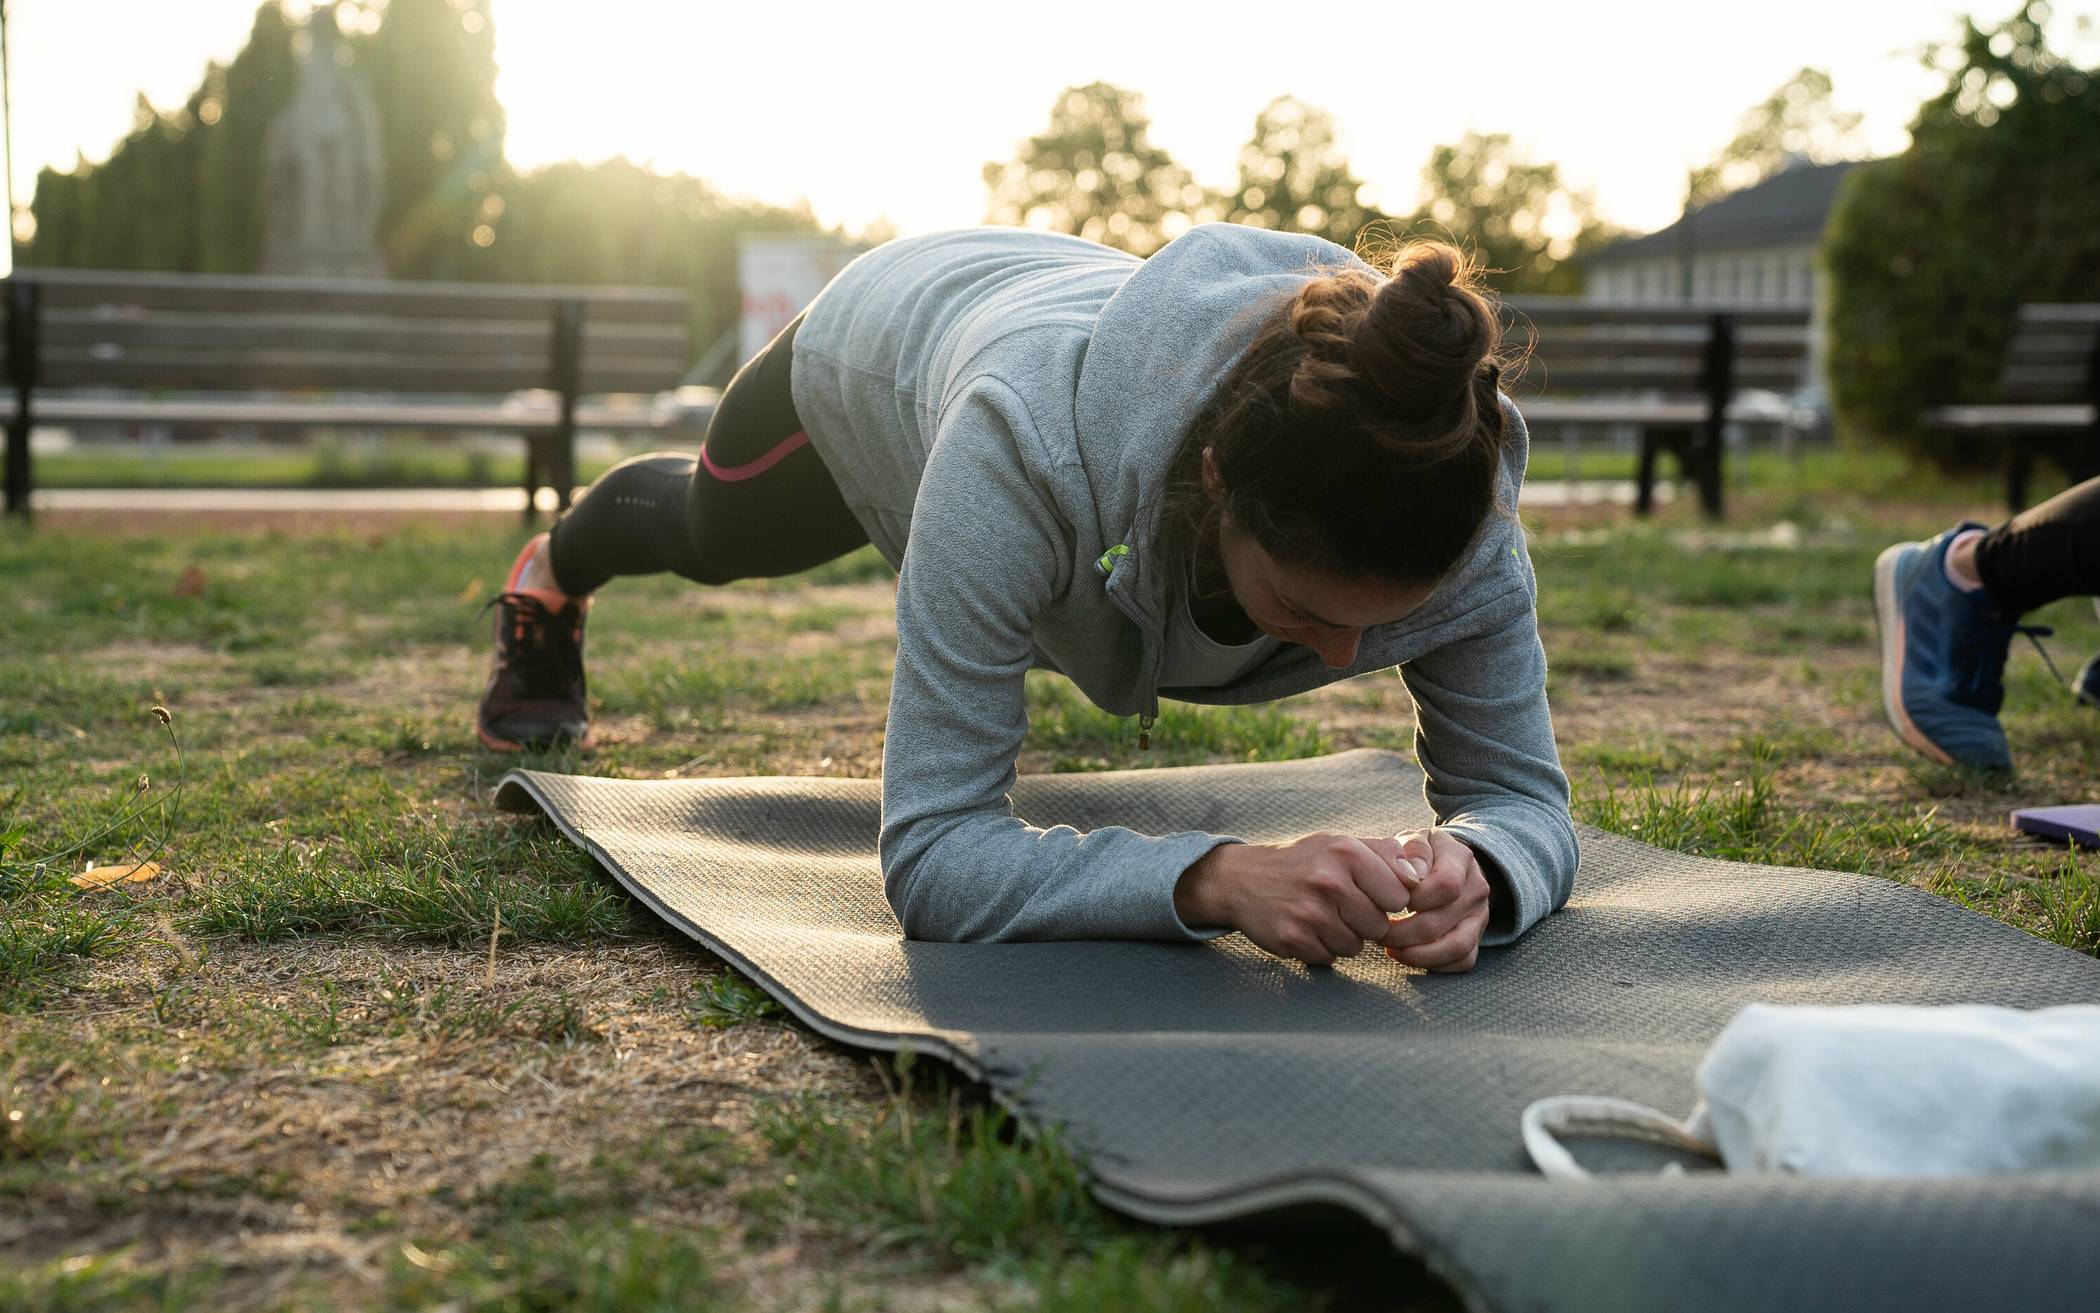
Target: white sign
{"points": [[779, 274]]}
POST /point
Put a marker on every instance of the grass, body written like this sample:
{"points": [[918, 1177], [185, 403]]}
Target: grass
{"points": [[938, 1175], [368, 1043], [955, 1184], [424, 884], [1741, 821], [1080, 736], [609, 1267]]}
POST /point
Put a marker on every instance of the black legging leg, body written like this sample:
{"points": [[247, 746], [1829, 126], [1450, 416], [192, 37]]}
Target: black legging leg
{"points": [[2049, 552], [756, 502]]}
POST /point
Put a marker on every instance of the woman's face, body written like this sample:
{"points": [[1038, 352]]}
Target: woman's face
{"points": [[1322, 611]]}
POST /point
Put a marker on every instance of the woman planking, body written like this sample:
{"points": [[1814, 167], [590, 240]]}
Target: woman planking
{"points": [[1246, 467]]}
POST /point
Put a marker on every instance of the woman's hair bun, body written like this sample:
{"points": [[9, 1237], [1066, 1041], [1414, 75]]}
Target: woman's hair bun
{"points": [[1414, 352], [1362, 431]]}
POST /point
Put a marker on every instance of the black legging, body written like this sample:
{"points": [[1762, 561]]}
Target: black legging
{"points": [[2045, 553], [756, 502]]}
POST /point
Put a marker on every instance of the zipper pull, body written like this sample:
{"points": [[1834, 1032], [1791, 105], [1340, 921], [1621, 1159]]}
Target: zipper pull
{"points": [[1145, 733]]}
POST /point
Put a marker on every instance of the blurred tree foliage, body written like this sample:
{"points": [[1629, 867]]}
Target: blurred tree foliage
{"points": [[1292, 175], [431, 68], [1797, 121], [184, 191], [1516, 216], [617, 222], [1931, 252], [1096, 174]]}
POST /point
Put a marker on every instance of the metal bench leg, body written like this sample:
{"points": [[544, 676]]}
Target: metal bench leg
{"points": [[2019, 473], [1705, 451], [1705, 443], [1644, 477], [532, 480], [23, 312], [18, 457], [566, 359], [564, 464]]}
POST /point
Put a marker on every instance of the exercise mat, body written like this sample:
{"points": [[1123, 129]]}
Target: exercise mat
{"points": [[1207, 1082]]}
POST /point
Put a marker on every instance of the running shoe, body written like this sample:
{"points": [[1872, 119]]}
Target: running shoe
{"points": [[1942, 656], [2086, 684], [536, 695]]}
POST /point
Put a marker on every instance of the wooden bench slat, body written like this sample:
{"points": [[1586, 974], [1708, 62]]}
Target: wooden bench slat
{"points": [[534, 418], [2060, 313], [1543, 412], [1547, 380], [2077, 355], [1545, 310], [1687, 370], [1757, 348], [1772, 375], [2013, 417], [228, 333], [1671, 338], [2043, 383], [301, 371], [67, 288]]}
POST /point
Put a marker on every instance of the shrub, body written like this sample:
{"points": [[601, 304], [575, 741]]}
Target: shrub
{"points": [[1929, 253]]}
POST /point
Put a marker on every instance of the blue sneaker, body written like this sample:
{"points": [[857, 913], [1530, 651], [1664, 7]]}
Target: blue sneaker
{"points": [[1942, 656], [2087, 683]]}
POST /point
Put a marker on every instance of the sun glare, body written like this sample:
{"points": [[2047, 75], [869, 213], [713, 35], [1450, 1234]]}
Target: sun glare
{"points": [[892, 112]]}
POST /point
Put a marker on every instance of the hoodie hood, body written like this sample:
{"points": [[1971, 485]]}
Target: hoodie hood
{"points": [[1164, 341]]}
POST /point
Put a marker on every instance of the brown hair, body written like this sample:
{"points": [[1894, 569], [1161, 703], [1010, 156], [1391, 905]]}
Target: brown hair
{"points": [[1362, 431]]}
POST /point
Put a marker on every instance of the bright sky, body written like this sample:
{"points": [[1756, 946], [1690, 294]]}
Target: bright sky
{"points": [[888, 112]]}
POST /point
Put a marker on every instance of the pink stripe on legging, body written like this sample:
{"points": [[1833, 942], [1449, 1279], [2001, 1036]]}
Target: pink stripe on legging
{"points": [[752, 469]]}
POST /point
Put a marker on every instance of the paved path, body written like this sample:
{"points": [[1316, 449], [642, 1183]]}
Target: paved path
{"points": [[1616, 492]]}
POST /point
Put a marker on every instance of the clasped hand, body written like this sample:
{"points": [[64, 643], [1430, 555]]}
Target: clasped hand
{"points": [[1420, 894]]}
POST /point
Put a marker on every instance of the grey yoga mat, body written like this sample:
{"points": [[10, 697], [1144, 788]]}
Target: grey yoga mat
{"points": [[1210, 1082]]}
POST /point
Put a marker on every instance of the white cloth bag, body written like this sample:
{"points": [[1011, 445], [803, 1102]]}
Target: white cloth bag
{"points": [[1871, 1091]]}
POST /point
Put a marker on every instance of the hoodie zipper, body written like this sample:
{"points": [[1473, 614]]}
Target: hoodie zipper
{"points": [[1105, 564]]}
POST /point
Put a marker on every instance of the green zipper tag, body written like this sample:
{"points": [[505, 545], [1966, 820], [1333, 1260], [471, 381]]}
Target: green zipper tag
{"points": [[1107, 562]]}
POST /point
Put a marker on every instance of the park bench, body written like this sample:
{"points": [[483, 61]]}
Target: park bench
{"points": [[89, 347], [2048, 397], [1675, 373]]}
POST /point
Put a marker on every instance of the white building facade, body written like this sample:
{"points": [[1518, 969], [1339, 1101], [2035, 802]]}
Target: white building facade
{"points": [[1754, 247]]}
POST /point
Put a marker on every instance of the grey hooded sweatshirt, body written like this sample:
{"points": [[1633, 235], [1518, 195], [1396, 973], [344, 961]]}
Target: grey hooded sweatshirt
{"points": [[999, 408]]}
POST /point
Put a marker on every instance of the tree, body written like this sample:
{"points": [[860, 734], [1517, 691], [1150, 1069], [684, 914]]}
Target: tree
{"points": [[1293, 175], [431, 67], [1516, 217], [1930, 253], [133, 210], [1797, 121], [617, 222], [236, 105], [1096, 174], [184, 191]]}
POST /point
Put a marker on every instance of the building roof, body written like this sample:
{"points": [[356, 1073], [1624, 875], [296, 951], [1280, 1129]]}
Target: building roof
{"points": [[1790, 206]]}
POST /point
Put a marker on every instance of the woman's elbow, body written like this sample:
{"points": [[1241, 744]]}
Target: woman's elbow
{"points": [[926, 906]]}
